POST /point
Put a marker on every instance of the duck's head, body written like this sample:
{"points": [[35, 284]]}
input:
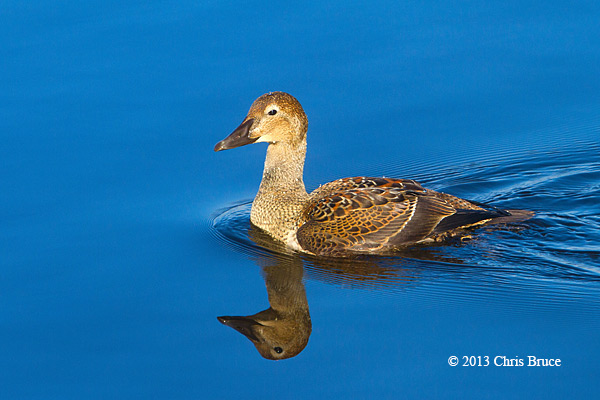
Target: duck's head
{"points": [[275, 117]]}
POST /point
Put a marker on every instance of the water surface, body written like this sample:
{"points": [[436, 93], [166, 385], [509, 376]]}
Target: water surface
{"points": [[123, 236]]}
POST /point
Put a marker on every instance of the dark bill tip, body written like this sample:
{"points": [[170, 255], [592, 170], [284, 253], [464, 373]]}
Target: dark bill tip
{"points": [[243, 325], [239, 137]]}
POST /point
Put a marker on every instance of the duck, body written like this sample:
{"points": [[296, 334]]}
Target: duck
{"points": [[348, 216]]}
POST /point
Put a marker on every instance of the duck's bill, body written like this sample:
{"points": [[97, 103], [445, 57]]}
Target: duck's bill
{"points": [[243, 325], [239, 137]]}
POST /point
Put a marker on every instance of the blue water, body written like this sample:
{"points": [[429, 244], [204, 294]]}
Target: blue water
{"points": [[123, 235]]}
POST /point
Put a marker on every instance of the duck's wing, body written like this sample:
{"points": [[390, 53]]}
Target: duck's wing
{"points": [[364, 214], [367, 219]]}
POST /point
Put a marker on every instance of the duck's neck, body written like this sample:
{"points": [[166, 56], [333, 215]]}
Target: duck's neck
{"points": [[284, 167], [282, 194]]}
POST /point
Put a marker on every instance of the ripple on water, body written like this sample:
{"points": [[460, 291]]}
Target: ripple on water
{"points": [[549, 259]]}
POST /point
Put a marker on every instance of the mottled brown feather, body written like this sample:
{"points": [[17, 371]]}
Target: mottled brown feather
{"points": [[365, 214]]}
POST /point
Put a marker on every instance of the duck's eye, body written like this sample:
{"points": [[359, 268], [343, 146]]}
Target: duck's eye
{"points": [[278, 349], [273, 112]]}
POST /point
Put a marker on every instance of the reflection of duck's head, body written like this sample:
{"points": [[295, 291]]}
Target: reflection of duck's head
{"points": [[282, 330], [276, 335]]}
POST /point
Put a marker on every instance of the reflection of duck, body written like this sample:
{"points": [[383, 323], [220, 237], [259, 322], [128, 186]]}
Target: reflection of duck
{"points": [[282, 330], [351, 215]]}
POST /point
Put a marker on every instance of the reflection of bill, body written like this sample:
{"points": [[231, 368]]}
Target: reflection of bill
{"points": [[282, 330]]}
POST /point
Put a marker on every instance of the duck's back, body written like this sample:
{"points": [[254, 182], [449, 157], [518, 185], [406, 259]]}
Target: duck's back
{"points": [[364, 214]]}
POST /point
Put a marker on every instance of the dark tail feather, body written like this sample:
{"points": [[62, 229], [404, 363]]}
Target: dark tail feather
{"points": [[465, 218], [493, 215]]}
